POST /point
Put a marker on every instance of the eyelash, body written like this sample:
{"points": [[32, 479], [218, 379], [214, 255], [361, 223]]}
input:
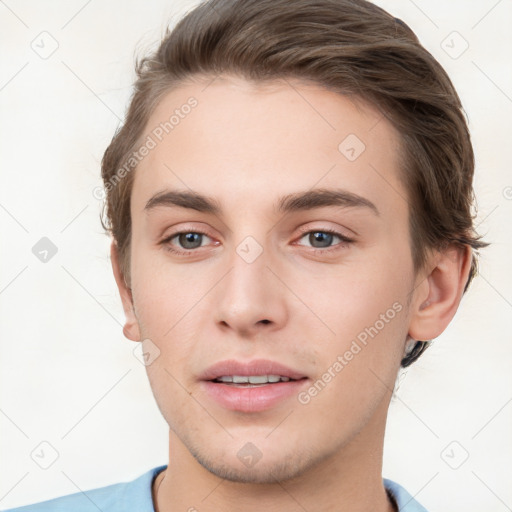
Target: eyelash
{"points": [[344, 241], [168, 247]]}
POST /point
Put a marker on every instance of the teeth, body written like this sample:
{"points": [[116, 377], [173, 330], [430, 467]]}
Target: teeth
{"points": [[258, 379], [253, 379]]}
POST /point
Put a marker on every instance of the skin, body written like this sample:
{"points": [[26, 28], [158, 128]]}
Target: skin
{"points": [[246, 145]]}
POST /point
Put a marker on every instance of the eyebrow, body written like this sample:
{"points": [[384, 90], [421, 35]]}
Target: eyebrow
{"points": [[298, 201]]}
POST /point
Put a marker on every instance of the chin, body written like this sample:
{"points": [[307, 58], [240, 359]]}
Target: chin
{"points": [[278, 468], [265, 474]]}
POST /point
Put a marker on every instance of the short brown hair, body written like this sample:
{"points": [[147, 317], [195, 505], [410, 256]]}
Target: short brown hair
{"points": [[349, 46]]}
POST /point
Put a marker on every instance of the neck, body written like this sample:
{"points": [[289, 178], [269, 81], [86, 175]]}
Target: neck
{"points": [[350, 479]]}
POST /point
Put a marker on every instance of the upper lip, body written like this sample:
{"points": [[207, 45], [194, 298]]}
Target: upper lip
{"points": [[248, 368]]}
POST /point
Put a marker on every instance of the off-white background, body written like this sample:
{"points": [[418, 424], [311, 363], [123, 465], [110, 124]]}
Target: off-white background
{"points": [[68, 375]]}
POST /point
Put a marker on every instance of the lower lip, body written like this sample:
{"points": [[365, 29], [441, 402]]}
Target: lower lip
{"points": [[251, 399]]}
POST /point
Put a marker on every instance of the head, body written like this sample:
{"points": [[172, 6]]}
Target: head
{"points": [[320, 162]]}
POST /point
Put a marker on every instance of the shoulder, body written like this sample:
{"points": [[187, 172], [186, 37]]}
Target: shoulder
{"points": [[120, 497], [404, 501]]}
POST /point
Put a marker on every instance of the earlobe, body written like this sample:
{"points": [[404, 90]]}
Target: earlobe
{"points": [[131, 327], [438, 298]]}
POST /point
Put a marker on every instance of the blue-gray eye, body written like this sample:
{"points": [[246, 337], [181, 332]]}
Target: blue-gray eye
{"points": [[190, 240], [320, 239]]}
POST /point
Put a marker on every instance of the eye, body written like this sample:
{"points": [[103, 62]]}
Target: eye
{"points": [[324, 239], [187, 240]]}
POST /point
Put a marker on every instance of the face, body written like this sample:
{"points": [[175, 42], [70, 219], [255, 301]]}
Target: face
{"points": [[280, 252]]}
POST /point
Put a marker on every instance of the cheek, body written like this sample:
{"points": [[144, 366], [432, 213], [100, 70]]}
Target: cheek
{"points": [[352, 297], [356, 368], [171, 305], [171, 393], [165, 295], [365, 308]]}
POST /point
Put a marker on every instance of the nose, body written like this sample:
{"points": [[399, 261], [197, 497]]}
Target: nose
{"points": [[250, 299]]}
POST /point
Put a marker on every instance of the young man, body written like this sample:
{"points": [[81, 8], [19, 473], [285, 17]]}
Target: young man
{"points": [[290, 206]]}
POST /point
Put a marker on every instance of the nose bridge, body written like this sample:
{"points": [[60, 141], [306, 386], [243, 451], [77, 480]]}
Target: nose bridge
{"points": [[249, 296]]}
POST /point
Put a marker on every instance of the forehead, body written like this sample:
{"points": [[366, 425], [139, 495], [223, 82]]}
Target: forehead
{"points": [[253, 142]]}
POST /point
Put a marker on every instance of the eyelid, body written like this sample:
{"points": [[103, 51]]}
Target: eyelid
{"points": [[331, 250], [166, 241], [336, 230], [304, 230], [181, 229]]}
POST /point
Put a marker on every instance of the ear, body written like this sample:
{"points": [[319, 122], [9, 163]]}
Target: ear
{"points": [[438, 296], [131, 326]]}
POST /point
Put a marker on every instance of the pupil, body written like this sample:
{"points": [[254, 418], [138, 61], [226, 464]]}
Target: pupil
{"points": [[325, 239], [189, 240]]}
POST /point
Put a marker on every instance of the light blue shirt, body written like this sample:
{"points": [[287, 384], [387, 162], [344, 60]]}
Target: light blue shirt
{"points": [[136, 496]]}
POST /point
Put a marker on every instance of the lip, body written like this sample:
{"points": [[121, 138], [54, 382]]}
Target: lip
{"points": [[250, 399], [248, 368]]}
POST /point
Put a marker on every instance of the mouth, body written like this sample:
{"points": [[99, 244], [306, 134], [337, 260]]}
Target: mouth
{"points": [[251, 381], [252, 386], [255, 371]]}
